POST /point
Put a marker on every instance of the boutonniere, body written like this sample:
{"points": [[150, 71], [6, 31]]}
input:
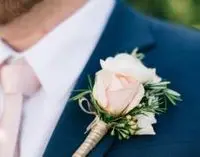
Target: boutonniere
{"points": [[125, 97]]}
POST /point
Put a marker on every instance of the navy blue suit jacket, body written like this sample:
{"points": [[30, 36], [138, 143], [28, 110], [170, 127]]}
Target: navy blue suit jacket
{"points": [[175, 52]]}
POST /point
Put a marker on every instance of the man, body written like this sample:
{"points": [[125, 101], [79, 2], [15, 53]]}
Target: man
{"points": [[63, 41]]}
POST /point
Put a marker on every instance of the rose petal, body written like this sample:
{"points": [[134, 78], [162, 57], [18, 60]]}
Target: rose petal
{"points": [[136, 99], [116, 84], [119, 100], [145, 122], [130, 66], [146, 131], [103, 80], [156, 79]]}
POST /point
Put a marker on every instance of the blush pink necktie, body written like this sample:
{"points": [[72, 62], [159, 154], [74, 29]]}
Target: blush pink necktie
{"points": [[17, 80]]}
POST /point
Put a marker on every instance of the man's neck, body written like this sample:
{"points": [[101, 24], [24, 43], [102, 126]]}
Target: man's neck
{"points": [[28, 29]]}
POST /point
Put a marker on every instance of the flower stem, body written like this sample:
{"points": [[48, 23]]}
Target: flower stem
{"points": [[93, 138]]}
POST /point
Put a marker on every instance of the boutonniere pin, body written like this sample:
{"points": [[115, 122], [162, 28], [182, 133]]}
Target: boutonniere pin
{"points": [[124, 98]]}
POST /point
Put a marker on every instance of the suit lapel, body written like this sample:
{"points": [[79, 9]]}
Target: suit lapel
{"points": [[125, 31]]}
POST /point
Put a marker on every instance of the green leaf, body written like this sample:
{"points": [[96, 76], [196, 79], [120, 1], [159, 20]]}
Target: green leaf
{"points": [[90, 82], [172, 92], [78, 96], [120, 136], [123, 134], [121, 125], [80, 90], [157, 87], [171, 99], [164, 83], [140, 56], [126, 132], [113, 132]]}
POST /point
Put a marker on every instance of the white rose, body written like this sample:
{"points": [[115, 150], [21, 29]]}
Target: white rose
{"points": [[145, 122], [130, 65]]}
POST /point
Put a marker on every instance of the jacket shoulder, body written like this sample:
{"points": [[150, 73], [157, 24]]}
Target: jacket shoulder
{"points": [[178, 36]]}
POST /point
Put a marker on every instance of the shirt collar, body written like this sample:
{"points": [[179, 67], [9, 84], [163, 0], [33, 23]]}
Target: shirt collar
{"points": [[60, 56], [5, 52]]}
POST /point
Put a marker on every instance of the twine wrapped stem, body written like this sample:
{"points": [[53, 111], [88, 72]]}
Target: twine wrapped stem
{"points": [[97, 132]]}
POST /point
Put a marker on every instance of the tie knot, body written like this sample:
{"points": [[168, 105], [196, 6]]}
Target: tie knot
{"points": [[19, 77]]}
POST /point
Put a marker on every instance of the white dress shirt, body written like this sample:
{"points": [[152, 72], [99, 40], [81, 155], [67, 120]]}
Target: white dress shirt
{"points": [[58, 60]]}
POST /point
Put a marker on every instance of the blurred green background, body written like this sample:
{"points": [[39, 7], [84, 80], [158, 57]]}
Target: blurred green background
{"points": [[179, 11]]}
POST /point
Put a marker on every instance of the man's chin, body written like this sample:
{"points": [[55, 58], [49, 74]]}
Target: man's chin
{"points": [[10, 9], [7, 17]]}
